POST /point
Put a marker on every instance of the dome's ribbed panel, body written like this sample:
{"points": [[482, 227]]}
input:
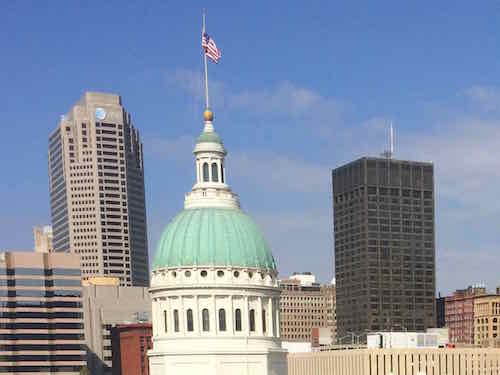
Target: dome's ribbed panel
{"points": [[209, 137], [212, 237]]}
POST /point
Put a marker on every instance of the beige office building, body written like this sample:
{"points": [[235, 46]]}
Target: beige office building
{"points": [[421, 361], [487, 320], [41, 315], [43, 239], [106, 306], [304, 306], [96, 179]]}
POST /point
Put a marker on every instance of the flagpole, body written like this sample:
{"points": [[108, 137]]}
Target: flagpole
{"points": [[207, 103]]}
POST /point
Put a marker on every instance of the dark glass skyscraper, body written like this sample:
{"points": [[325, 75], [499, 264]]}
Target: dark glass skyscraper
{"points": [[384, 245]]}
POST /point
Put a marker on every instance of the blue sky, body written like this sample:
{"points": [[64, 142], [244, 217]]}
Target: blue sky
{"points": [[299, 90]]}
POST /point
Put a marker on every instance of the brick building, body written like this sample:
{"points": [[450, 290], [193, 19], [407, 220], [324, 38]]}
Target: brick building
{"points": [[304, 306], [130, 344], [459, 314]]}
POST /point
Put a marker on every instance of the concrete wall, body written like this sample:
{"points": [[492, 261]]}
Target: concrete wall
{"points": [[396, 362], [296, 346], [104, 307]]}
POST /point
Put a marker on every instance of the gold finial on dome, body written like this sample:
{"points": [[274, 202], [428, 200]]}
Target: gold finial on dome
{"points": [[208, 115]]}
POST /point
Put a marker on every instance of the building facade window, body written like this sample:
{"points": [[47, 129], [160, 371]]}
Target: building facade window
{"points": [[215, 175], [165, 320], [237, 319], [222, 173], [264, 328], [176, 320], [251, 320], [189, 320], [222, 320], [205, 317], [206, 177]]}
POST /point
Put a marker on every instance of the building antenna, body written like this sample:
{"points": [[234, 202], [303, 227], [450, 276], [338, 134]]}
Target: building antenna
{"points": [[390, 152], [392, 141]]}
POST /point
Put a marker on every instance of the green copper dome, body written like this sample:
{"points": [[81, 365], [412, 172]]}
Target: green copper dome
{"points": [[212, 237], [209, 137]]}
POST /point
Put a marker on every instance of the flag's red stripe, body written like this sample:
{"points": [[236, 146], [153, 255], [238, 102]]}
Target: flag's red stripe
{"points": [[212, 52], [210, 48]]}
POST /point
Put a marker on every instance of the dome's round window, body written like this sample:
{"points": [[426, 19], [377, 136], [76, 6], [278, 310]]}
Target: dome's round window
{"points": [[236, 274], [203, 273], [250, 274], [174, 274], [187, 273], [220, 273]]}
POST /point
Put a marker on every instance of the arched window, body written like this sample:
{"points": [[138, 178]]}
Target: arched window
{"points": [[215, 175], [264, 320], [251, 320], [165, 320], [222, 173], [176, 320], [206, 177], [237, 319], [222, 320], [189, 319], [205, 317]]}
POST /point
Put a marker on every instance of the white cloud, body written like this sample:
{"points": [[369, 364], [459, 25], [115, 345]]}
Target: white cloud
{"points": [[466, 154], [265, 171], [192, 83], [279, 173], [285, 100], [176, 149], [300, 241], [377, 124], [188, 80], [487, 97], [288, 100], [457, 269]]}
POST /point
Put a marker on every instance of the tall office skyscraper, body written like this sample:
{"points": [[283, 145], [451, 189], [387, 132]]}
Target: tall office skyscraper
{"points": [[96, 179], [384, 245]]}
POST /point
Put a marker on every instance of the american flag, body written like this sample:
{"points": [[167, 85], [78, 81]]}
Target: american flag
{"points": [[210, 48]]}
